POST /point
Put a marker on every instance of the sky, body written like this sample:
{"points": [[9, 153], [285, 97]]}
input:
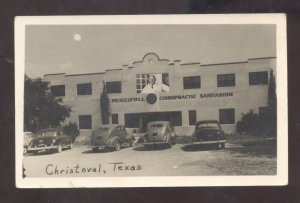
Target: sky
{"points": [[75, 49]]}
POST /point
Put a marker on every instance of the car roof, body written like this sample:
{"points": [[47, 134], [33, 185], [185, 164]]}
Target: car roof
{"points": [[207, 121]]}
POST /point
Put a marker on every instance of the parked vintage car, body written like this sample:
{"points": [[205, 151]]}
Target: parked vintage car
{"points": [[50, 140], [209, 132], [159, 132], [27, 138], [111, 137]]}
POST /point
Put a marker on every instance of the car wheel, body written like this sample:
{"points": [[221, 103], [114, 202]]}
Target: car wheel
{"points": [[131, 143], [116, 145], [59, 149]]}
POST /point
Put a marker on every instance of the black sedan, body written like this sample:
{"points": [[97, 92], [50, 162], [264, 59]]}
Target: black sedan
{"points": [[50, 140], [110, 137], [209, 132]]}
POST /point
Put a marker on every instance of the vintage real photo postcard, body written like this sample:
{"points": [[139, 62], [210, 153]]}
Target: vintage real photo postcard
{"points": [[151, 101]]}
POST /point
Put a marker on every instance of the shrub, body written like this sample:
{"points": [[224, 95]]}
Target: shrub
{"points": [[250, 123], [71, 129]]}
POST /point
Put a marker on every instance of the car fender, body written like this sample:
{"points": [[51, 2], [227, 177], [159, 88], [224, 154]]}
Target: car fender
{"points": [[112, 139]]}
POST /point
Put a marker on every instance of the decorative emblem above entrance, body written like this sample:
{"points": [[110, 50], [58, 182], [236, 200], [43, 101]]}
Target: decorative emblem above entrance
{"points": [[151, 98]]}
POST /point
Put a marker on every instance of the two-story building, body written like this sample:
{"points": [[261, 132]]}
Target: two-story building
{"points": [[185, 93]]}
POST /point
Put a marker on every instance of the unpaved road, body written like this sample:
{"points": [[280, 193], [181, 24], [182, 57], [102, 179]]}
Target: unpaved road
{"points": [[239, 158]]}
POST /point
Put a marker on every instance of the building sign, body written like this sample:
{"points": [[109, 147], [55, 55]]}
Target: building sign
{"points": [[152, 98], [222, 94]]}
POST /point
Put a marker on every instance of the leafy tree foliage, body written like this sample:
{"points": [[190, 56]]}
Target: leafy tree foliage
{"points": [[262, 124], [104, 105], [71, 129], [41, 108]]}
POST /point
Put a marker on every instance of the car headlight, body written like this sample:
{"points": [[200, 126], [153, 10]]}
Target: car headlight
{"points": [[53, 141]]}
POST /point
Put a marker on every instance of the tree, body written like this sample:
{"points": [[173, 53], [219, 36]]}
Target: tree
{"points": [[271, 118], [104, 105], [71, 129], [41, 108]]}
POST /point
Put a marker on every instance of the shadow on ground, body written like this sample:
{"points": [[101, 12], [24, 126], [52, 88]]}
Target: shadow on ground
{"points": [[192, 148], [155, 147]]}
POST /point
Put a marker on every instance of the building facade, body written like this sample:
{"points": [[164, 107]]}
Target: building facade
{"points": [[182, 93]]}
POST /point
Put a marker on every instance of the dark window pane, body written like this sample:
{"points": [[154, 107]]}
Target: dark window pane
{"points": [[258, 78], [85, 122], [226, 80], [192, 117], [114, 87], [58, 90], [84, 89], [131, 121], [226, 116], [191, 82], [114, 119]]}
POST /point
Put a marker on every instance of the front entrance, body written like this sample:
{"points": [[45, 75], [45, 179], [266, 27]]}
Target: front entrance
{"points": [[140, 120]]}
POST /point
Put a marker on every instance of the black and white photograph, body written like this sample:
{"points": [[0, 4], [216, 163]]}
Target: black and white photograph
{"points": [[139, 101]]}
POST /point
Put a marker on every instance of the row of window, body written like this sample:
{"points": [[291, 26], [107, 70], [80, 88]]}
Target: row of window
{"points": [[227, 80], [193, 82], [226, 116]]}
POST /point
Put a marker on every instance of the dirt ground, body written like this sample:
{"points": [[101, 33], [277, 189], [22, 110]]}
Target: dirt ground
{"points": [[243, 155]]}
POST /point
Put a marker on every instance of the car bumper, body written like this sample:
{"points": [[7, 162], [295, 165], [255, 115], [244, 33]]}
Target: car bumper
{"points": [[152, 143], [209, 142], [30, 149], [99, 147]]}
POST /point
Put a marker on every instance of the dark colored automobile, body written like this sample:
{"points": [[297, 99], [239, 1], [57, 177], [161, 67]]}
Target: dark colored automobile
{"points": [[209, 132], [159, 132], [27, 138], [50, 140], [111, 137]]}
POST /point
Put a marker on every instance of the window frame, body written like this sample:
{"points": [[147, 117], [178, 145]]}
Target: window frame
{"points": [[90, 125], [56, 86], [192, 117], [83, 93], [112, 118], [256, 79], [227, 120], [110, 84], [225, 81], [188, 82]]}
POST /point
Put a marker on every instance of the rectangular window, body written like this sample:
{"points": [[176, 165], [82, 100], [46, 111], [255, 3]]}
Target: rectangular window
{"points": [[258, 78], [131, 120], [58, 90], [114, 118], [226, 80], [114, 87], [193, 82], [192, 117], [84, 89], [226, 116], [85, 122]]}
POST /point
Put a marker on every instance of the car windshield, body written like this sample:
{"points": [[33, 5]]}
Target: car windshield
{"points": [[156, 125], [207, 125], [103, 129]]}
